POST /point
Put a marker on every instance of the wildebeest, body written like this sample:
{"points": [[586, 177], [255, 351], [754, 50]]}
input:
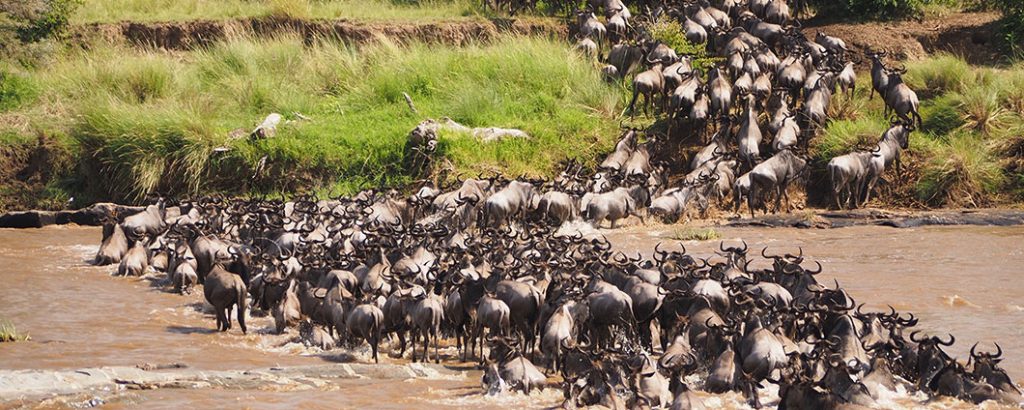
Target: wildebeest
{"points": [[775, 174]]}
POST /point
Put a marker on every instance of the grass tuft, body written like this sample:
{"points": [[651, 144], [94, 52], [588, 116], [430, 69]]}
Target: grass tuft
{"points": [[963, 171], [695, 234], [846, 136], [939, 74], [8, 333], [982, 110]]}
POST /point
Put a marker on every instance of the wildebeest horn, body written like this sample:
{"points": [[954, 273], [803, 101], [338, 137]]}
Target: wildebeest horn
{"points": [[763, 253], [814, 272], [658, 251], [913, 337], [949, 343]]}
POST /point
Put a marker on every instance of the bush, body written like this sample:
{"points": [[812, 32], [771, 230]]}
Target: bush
{"points": [[871, 8], [1013, 23], [891, 9], [35, 20], [669, 31]]}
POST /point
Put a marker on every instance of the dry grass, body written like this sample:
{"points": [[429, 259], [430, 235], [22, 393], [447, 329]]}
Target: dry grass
{"points": [[695, 234], [8, 333]]}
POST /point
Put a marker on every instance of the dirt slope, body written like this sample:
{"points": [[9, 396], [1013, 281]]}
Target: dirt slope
{"points": [[971, 35]]}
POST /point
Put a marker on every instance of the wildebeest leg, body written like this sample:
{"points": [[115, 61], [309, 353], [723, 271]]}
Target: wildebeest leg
{"points": [[240, 305], [412, 340], [868, 188], [227, 318], [836, 193], [437, 356], [374, 344], [220, 318], [783, 193], [750, 198], [401, 343]]}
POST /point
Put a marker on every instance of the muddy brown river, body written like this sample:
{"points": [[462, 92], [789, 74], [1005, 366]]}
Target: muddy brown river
{"points": [[964, 280]]}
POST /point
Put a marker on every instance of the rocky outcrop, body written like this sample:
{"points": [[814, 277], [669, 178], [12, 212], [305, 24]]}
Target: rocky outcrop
{"points": [[92, 216]]}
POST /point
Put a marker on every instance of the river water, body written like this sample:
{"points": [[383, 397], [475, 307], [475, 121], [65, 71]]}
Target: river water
{"points": [[963, 280]]}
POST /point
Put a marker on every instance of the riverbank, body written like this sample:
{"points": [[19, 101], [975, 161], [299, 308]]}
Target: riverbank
{"points": [[809, 218]]}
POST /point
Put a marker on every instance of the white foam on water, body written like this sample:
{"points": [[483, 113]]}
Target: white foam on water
{"points": [[550, 396], [431, 373]]}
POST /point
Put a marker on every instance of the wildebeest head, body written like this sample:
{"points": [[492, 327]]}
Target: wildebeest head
{"points": [[931, 359], [986, 368]]}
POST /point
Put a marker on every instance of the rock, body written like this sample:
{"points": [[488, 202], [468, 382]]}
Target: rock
{"points": [[268, 128], [93, 215], [28, 219]]}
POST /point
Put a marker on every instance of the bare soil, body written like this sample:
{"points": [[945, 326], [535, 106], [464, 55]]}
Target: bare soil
{"points": [[973, 36]]}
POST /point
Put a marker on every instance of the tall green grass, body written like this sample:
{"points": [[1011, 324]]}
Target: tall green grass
{"points": [[151, 121], [963, 171], [104, 11], [967, 152]]}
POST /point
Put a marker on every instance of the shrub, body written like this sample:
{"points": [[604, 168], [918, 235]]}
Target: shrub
{"points": [[1013, 23], [871, 8], [34, 20], [670, 32]]}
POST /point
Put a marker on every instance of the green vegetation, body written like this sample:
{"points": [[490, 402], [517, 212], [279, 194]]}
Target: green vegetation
{"points": [[892, 9], [9, 334], [969, 151], [137, 122], [105, 11], [695, 234], [1013, 23], [669, 31], [28, 29]]}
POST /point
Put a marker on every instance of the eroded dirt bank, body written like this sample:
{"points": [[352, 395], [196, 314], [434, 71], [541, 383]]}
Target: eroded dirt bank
{"points": [[192, 34], [973, 36]]}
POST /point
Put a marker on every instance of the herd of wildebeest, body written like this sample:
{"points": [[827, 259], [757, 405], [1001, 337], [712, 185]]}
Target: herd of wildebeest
{"points": [[765, 94], [500, 267]]}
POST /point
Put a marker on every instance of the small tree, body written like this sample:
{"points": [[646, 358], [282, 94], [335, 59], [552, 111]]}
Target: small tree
{"points": [[34, 20]]}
